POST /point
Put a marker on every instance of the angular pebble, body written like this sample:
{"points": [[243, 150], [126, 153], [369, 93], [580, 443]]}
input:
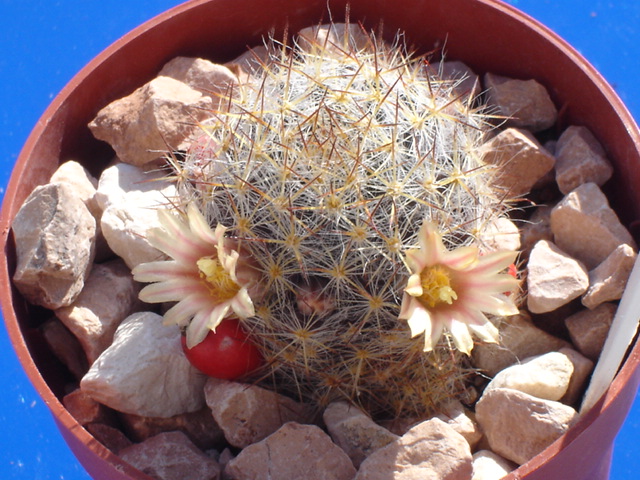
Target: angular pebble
{"points": [[519, 426], [526, 103], [145, 372], [489, 466], [109, 436], [248, 413], [213, 80], [519, 339], [460, 419], [609, 279], [554, 278], [467, 81], [354, 431], [537, 228], [500, 234], [582, 368], [130, 198], [51, 270], [171, 456], [520, 159], [546, 376], [86, 410], [66, 347], [293, 452], [580, 159], [337, 37], [430, 450], [199, 426], [585, 214], [588, 329], [159, 116], [108, 297]]}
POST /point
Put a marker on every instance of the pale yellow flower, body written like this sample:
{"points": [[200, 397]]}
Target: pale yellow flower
{"points": [[206, 275], [454, 289]]}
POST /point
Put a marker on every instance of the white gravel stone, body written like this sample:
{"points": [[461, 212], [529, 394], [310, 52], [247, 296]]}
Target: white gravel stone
{"points": [[546, 376], [145, 372], [130, 198], [554, 278], [50, 269], [489, 466]]}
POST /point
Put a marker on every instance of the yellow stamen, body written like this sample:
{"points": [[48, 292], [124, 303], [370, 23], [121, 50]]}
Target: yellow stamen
{"points": [[436, 287], [217, 279]]}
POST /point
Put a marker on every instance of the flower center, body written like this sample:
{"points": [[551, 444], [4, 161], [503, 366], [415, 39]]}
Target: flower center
{"points": [[217, 280], [436, 286]]}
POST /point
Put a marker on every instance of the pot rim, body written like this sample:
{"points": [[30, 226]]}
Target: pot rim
{"points": [[627, 377]]}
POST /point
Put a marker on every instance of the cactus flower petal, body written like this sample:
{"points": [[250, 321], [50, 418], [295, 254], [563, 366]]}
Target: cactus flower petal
{"points": [[453, 289], [201, 275]]}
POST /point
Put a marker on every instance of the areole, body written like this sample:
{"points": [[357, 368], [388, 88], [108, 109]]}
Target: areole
{"points": [[514, 45]]}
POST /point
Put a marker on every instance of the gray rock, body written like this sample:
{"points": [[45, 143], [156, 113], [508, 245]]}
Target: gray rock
{"points": [[51, 270], [145, 372]]}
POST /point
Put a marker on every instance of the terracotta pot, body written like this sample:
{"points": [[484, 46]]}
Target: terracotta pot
{"points": [[486, 34]]}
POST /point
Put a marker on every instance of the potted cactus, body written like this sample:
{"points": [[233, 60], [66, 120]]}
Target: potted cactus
{"points": [[321, 247]]}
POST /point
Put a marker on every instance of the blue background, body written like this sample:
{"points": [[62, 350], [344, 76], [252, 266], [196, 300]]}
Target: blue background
{"points": [[44, 43]]}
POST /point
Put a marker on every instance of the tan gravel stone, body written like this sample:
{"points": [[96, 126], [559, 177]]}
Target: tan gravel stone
{"points": [[211, 79], [293, 452], [519, 339], [469, 81], [159, 116], [554, 278], [432, 450], [582, 368], [585, 214], [523, 159], [518, 426], [335, 37], [109, 436], [589, 329], [354, 431], [525, 102], [108, 297], [199, 426], [609, 279], [580, 159], [545, 376], [500, 234], [461, 420], [86, 410], [171, 456], [537, 228], [248, 413], [66, 347]]}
